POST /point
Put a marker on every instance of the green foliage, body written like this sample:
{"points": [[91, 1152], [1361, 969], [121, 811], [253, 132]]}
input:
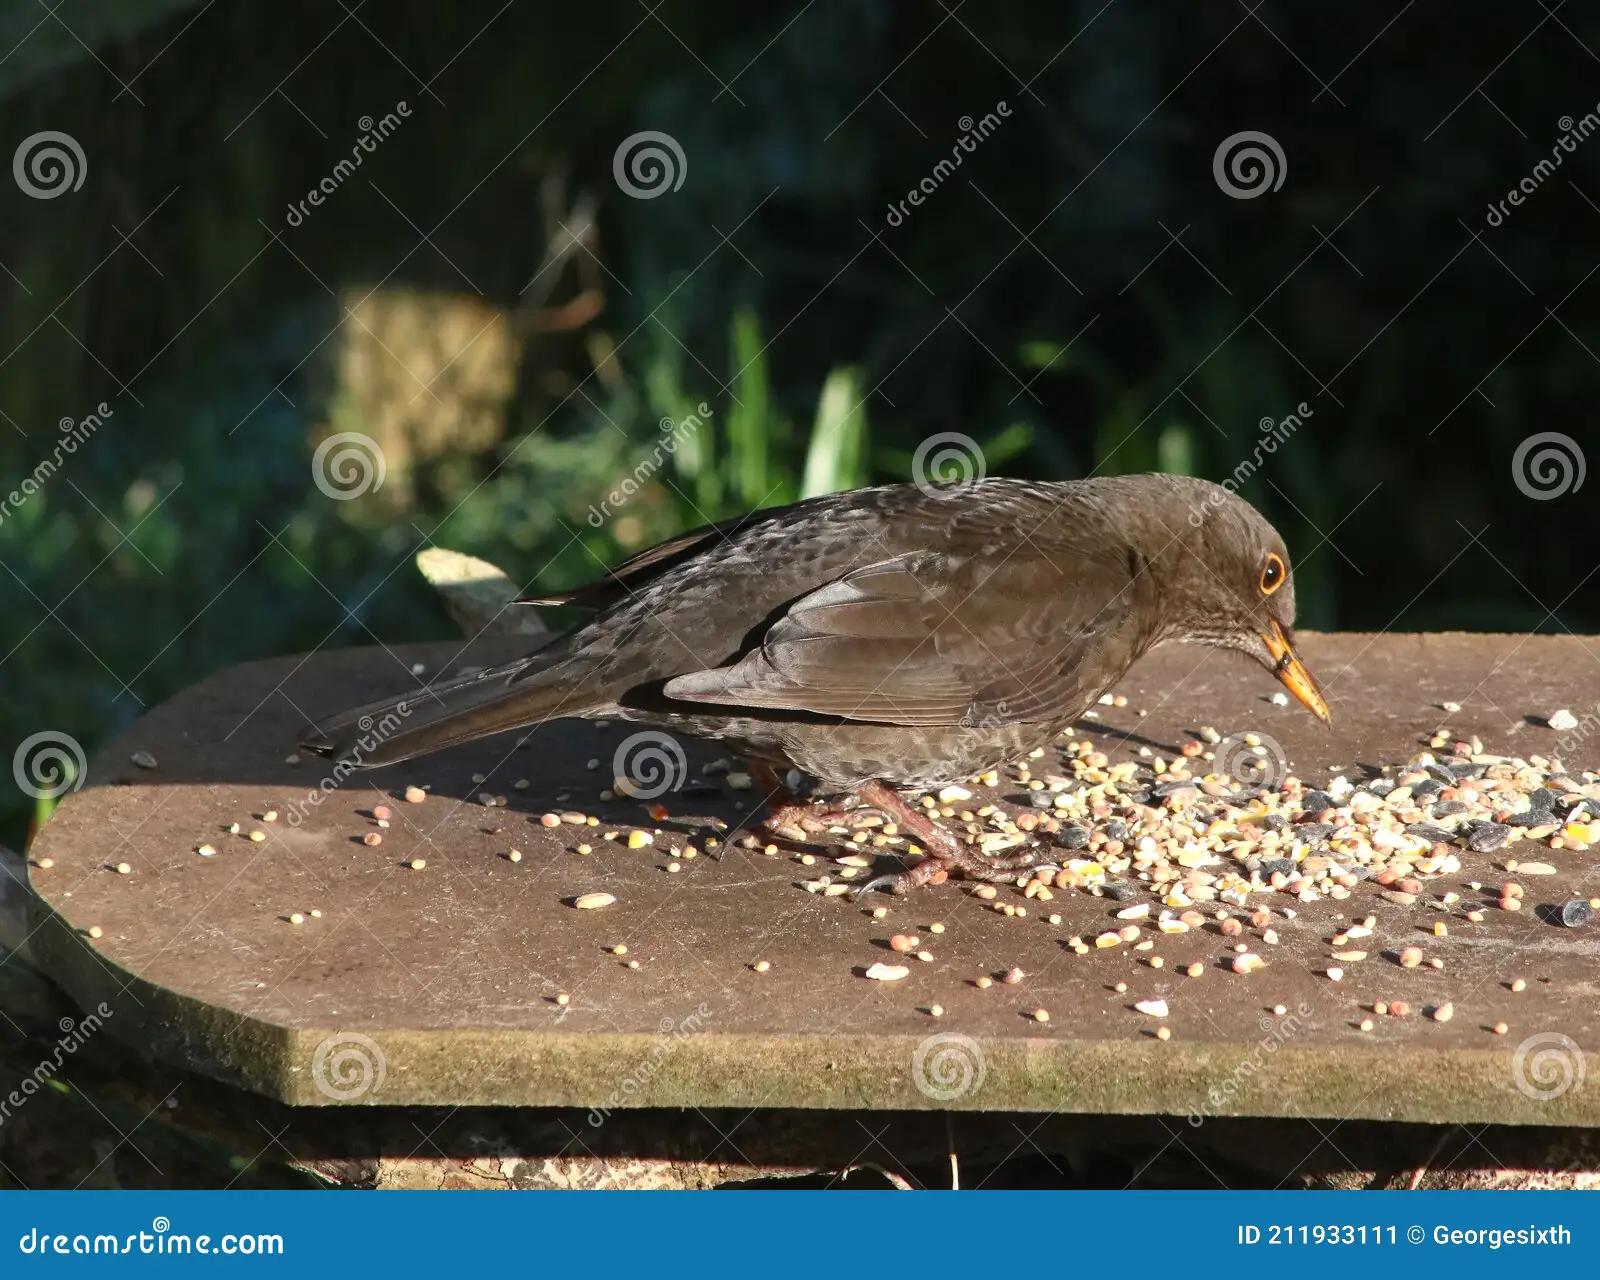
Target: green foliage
{"points": [[1036, 302]]}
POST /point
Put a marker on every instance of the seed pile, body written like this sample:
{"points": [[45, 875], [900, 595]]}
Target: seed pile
{"points": [[1171, 830], [1184, 846]]}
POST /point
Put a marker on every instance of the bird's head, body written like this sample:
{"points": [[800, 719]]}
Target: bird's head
{"points": [[1235, 588]]}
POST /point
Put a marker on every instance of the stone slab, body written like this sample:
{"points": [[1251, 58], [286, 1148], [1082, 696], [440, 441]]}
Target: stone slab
{"points": [[437, 986]]}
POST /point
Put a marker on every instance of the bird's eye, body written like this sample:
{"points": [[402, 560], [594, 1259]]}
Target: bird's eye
{"points": [[1272, 573]]}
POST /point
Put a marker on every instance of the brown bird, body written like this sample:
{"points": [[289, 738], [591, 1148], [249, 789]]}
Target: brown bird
{"points": [[887, 639]]}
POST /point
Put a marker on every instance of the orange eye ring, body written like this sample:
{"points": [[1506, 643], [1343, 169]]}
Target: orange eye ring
{"points": [[1273, 573]]}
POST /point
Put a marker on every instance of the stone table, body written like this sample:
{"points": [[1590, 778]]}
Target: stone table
{"points": [[438, 986]]}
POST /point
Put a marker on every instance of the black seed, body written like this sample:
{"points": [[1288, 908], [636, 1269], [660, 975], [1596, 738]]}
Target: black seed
{"points": [[1427, 787], [1540, 810], [1447, 776], [1316, 801], [1275, 822], [1116, 830], [1486, 837], [1071, 838], [1576, 914], [1427, 831], [1119, 892], [1040, 799], [1313, 831], [1449, 808], [1276, 866]]}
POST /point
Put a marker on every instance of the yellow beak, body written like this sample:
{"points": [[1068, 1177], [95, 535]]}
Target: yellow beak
{"points": [[1296, 678]]}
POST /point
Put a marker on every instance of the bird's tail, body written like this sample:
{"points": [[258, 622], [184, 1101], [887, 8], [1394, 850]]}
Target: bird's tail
{"points": [[462, 709]]}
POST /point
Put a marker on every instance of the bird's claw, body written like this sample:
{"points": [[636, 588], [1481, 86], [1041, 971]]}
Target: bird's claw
{"points": [[889, 882]]}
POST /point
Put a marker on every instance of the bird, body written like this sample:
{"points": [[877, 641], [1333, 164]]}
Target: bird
{"points": [[884, 641]]}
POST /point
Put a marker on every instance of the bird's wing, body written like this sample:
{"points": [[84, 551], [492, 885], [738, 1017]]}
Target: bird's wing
{"points": [[636, 572], [929, 638]]}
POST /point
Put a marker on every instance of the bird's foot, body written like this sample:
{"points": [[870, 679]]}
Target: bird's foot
{"points": [[946, 855], [800, 821], [970, 864], [793, 821]]}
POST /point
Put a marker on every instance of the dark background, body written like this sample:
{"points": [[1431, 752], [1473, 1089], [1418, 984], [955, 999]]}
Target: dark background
{"points": [[482, 300]]}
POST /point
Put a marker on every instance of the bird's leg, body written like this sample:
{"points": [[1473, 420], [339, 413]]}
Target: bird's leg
{"points": [[945, 852], [780, 811], [791, 811]]}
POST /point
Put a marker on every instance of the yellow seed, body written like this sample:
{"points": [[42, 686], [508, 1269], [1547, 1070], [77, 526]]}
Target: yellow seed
{"points": [[258, 836], [296, 918], [761, 966], [123, 869], [95, 931], [1041, 1015], [515, 855], [1163, 1033], [563, 998], [416, 864]]}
